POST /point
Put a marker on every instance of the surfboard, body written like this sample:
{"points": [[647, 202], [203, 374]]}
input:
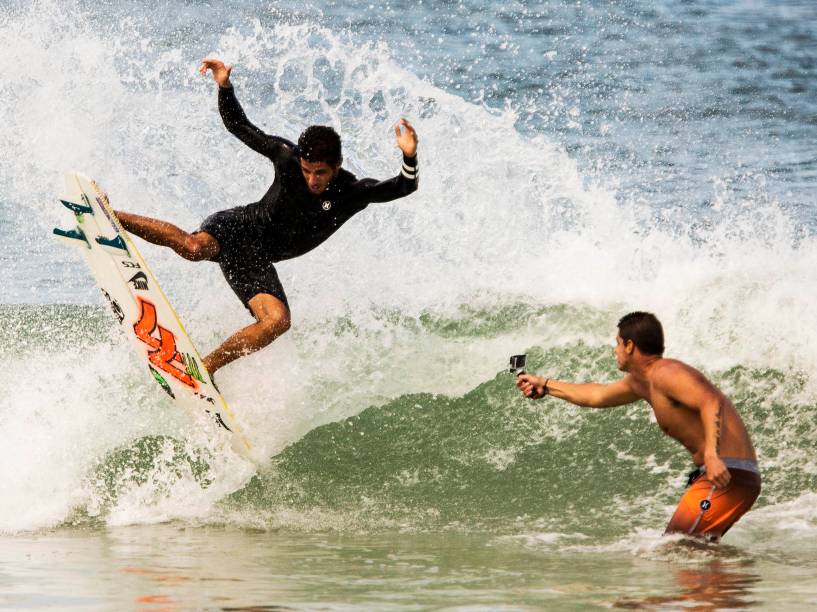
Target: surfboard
{"points": [[143, 311]]}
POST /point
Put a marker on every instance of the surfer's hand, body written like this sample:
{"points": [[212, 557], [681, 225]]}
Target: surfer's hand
{"points": [[531, 386], [221, 71], [406, 138], [716, 471]]}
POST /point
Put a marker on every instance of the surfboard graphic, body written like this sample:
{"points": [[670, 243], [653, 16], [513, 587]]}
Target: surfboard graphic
{"points": [[142, 309]]}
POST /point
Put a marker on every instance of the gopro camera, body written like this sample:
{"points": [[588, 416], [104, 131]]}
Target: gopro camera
{"points": [[517, 365]]}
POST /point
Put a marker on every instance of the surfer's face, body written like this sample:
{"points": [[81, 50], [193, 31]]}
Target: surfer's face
{"points": [[318, 175], [623, 352]]}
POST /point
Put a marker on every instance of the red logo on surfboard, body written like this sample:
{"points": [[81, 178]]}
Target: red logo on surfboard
{"points": [[164, 355]]}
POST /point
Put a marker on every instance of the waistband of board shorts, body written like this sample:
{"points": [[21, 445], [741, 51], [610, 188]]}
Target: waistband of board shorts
{"points": [[748, 465]]}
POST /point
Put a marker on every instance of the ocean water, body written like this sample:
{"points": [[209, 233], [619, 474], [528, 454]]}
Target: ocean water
{"points": [[578, 160]]}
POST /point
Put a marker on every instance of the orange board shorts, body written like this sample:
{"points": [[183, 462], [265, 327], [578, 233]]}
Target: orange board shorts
{"points": [[708, 512]]}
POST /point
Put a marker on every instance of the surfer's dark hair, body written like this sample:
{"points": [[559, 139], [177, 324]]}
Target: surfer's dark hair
{"points": [[645, 330], [320, 143]]}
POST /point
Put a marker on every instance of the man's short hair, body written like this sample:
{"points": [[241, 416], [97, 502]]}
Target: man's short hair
{"points": [[320, 143], [645, 330]]}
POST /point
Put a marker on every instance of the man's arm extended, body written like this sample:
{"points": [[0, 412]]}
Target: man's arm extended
{"points": [[371, 190], [235, 120], [591, 395]]}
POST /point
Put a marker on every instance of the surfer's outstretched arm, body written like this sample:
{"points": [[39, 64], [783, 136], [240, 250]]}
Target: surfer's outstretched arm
{"points": [[371, 190], [591, 395], [234, 118]]}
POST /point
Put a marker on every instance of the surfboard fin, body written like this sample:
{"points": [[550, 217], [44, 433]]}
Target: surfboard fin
{"points": [[71, 236], [77, 209], [115, 246]]}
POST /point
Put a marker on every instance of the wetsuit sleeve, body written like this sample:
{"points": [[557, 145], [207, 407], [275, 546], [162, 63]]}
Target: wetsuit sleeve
{"points": [[239, 126], [371, 190]]}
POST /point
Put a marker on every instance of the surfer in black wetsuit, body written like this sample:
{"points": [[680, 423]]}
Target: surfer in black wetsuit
{"points": [[310, 198]]}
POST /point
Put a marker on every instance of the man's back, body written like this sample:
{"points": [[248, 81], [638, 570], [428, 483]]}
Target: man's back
{"points": [[677, 393]]}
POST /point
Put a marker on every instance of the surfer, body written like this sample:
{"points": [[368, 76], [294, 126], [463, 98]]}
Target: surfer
{"points": [[309, 199], [689, 408]]}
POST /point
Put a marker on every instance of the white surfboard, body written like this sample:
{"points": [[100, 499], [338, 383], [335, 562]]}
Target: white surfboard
{"points": [[142, 308]]}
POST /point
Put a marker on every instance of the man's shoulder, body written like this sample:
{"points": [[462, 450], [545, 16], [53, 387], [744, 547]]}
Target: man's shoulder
{"points": [[345, 177], [668, 373], [671, 366], [285, 157], [287, 146], [291, 145], [347, 185], [664, 368]]}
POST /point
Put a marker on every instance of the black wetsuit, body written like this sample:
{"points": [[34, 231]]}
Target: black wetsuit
{"points": [[289, 220]]}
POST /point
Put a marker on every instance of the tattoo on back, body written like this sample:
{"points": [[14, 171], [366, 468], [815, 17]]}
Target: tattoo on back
{"points": [[718, 429]]}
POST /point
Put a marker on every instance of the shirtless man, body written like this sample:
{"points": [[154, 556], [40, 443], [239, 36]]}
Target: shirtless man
{"points": [[310, 198], [688, 408]]}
